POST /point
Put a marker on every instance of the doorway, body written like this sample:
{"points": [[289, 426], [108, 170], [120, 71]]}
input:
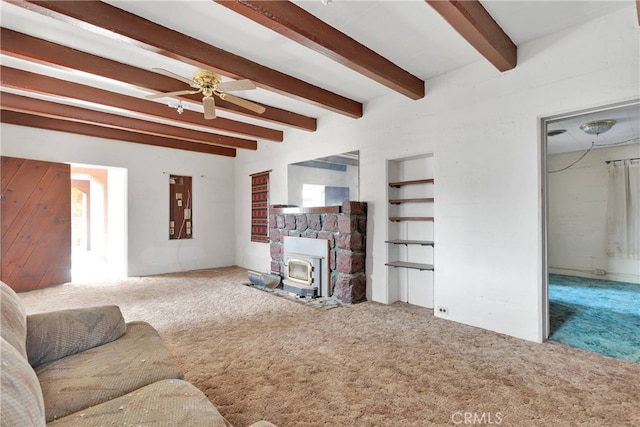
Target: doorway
{"points": [[98, 222], [584, 275]]}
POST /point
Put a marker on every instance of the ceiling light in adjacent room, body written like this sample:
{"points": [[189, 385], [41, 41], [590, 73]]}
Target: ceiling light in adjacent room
{"points": [[556, 132], [598, 126]]}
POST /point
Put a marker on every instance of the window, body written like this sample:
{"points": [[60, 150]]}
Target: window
{"points": [[260, 207], [312, 195]]}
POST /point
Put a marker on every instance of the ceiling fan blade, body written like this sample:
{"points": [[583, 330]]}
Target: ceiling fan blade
{"points": [[175, 76], [236, 85], [172, 94], [209, 107], [243, 103]]}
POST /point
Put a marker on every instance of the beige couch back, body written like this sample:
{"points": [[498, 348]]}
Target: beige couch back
{"points": [[14, 319], [21, 398]]}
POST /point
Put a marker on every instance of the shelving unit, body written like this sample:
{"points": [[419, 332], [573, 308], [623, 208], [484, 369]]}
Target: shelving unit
{"points": [[410, 218], [414, 200], [410, 240], [398, 184], [414, 265]]}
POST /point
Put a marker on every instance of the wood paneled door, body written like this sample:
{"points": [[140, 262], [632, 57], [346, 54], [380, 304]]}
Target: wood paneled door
{"points": [[36, 223]]}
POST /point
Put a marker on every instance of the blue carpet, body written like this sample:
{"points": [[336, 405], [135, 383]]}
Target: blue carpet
{"points": [[600, 316]]}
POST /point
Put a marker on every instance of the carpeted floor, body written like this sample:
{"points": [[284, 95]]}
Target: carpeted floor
{"points": [[596, 315], [259, 356]]}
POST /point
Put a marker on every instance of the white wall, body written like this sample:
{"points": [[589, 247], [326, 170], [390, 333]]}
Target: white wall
{"points": [[149, 249], [483, 128], [577, 197]]}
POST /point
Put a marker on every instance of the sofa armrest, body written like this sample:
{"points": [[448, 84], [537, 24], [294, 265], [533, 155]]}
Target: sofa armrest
{"points": [[57, 334]]}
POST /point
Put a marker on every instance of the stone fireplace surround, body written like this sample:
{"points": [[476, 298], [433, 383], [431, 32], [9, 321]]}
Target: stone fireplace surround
{"points": [[345, 227]]}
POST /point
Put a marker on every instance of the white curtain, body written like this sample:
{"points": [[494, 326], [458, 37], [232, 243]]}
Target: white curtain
{"points": [[623, 209]]}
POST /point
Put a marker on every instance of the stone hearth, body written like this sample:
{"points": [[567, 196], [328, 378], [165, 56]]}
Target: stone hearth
{"points": [[345, 227]]}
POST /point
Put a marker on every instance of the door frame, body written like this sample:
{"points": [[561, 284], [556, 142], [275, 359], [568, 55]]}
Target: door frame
{"points": [[544, 202], [116, 203]]}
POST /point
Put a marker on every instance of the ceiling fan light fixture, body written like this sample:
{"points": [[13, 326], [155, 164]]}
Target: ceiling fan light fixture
{"points": [[206, 78], [210, 84], [597, 127], [178, 107]]}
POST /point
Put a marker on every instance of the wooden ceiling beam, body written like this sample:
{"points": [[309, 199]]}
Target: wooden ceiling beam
{"points": [[33, 49], [110, 21], [37, 83], [48, 123], [23, 104], [472, 21], [290, 20]]}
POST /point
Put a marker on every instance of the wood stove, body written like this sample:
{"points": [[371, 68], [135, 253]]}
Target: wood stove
{"points": [[307, 271], [299, 278], [299, 271]]}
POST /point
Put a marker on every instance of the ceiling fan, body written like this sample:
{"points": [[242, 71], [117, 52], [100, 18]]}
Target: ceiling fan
{"points": [[210, 84]]}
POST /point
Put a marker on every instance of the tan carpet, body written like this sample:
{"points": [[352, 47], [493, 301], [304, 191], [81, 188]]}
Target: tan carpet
{"points": [[259, 356]]}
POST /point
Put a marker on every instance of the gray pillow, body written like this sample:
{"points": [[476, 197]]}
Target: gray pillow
{"points": [[57, 334]]}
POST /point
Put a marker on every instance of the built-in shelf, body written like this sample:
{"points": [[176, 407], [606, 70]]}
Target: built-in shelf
{"points": [[398, 184], [410, 235], [414, 265], [413, 200], [411, 242], [410, 218]]}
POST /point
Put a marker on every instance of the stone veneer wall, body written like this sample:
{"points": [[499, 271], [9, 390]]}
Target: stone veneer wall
{"points": [[345, 227]]}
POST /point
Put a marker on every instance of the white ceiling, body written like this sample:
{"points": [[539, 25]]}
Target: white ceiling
{"points": [[409, 33], [625, 131]]}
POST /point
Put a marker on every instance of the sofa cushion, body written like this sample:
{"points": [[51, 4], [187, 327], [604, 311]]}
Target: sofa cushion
{"points": [[13, 319], [167, 403], [57, 334], [21, 399], [76, 382]]}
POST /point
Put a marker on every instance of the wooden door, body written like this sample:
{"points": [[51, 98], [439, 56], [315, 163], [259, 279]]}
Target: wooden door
{"points": [[36, 223]]}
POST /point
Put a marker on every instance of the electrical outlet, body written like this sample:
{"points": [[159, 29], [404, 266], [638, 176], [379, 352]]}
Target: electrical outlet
{"points": [[443, 310], [600, 272]]}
